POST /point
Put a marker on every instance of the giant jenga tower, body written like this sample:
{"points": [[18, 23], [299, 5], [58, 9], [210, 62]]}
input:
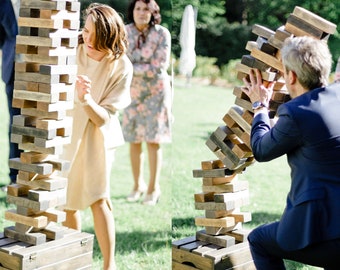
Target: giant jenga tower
{"points": [[223, 242], [43, 90]]}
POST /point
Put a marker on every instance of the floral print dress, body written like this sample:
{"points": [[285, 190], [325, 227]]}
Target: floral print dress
{"points": [[148, 117]]}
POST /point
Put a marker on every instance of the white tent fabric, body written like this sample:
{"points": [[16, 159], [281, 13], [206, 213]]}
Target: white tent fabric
{"points": [[187, 61]]}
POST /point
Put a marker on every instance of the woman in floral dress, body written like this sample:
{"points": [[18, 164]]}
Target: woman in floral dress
{"points": [[147, 118]]}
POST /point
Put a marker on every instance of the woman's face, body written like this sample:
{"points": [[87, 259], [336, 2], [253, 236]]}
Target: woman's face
{"points": [[89, 36], [141, 14]]}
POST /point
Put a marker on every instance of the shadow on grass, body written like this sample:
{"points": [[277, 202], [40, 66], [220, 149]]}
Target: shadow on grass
{"points": [[136, 241], [258, 218]]}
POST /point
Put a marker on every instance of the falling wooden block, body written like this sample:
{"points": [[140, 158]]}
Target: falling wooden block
{"points": [[315, 20], [36, 221], [298, 27], [212, 173], [262, 31], [220, 240], [268, 59]]}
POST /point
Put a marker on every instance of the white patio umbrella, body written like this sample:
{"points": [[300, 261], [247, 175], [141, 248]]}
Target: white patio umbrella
{"points": [[187, 61]]}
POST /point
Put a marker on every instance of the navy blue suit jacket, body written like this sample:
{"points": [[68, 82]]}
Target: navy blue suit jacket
{"points": [[8, 32], [308, 132]]}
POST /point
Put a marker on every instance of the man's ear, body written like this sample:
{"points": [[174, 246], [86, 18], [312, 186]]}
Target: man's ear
{"points": [[292, 77]]}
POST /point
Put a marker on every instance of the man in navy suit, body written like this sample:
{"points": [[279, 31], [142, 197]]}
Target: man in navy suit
{"points": [[308, 133], [8, 32]]}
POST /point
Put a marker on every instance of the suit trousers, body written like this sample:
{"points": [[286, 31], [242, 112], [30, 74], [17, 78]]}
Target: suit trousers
{"points": [[268, 255]]}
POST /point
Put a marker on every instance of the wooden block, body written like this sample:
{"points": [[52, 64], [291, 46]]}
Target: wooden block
{"points": [[228, 205], [220, 230], [38, 41], [222, 172], [298, 27], [22, 228], [236, 114], [58, 106], [281, 34], [262, 31], [23, 120], [251, 45], [48, 183], [252, 62], [32, 157], [210, 181], [49, 143], [268, 59], [57, 115], [218, 214], [212, 164], [242, 195], [30, 238], [315, 20], [34, 221], [39, 168], [37, 206], [58, 5], [35, 96], [17, 190], [54, 215], [29, 146], [184, 241], [221, 240], [204, 197], [241, 216], [40, 23], [45, 195], [208, 257], [228, 187], [52, 60], [231, 160], [34, 132], [245, 104], [239, 234], [74, 249], [266, 75]]}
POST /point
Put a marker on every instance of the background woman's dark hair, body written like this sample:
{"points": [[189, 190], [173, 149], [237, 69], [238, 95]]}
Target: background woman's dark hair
{"points": [[153, 7]]}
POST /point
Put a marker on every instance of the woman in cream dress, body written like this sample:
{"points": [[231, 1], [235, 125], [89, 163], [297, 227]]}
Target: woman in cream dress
{"points": [[102, 88]]}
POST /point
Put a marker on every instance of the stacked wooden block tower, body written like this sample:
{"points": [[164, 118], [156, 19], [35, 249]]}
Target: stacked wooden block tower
{"points": [[223, 242], [43, 90]]}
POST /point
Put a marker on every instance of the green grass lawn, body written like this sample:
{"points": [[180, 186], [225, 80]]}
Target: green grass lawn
{"points": [[144, 234]]}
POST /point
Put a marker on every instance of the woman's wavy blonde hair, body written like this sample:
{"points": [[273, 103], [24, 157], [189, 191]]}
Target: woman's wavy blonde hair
{"points": [[111, 36]]}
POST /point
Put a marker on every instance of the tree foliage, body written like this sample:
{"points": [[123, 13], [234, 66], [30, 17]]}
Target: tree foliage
{"points": [[223, 27]]}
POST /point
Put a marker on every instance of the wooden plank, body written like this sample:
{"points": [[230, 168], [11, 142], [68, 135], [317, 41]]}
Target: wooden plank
{"points": [[315, 20], [252, 62], [45, 195], [49, 183], [48, 124], [30, 238], [32, 157], [40, 22], [220, 240], [212, 164], [210, 181], [241, 216], [268, 59], [37, 206], [56, 115], [36, 221], [40, 4], [39, 168], [228, 187], [239, 234], [29, 146], [212, 173], [38, 41], [43, 59], [204, 197], [262, 31], [298, 27], [266, 75], [34, 132], [243, 194], [17, 190]]}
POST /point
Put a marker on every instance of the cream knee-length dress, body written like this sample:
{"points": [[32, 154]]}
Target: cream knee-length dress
{"points": [[92, 148]]}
